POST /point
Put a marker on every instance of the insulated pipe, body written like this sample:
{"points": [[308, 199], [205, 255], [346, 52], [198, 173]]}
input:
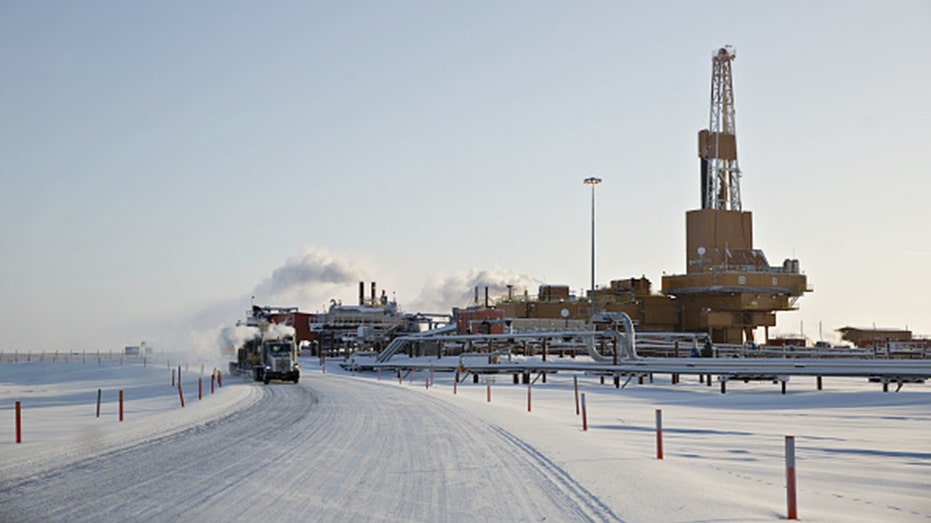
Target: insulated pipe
{"points": [[626, 343]]}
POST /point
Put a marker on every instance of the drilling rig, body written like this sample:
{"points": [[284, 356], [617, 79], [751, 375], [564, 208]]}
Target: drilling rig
{"points": [[717, 145], [729, 288]]}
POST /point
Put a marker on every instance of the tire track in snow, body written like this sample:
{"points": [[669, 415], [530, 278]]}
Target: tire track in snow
{"points": [[592, 506]]}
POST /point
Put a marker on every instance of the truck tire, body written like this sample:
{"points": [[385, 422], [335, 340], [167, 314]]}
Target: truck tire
{"points": [[297, 377], [265, 378]]}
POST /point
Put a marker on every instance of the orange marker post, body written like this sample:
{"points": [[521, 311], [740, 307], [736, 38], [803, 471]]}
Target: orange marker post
{"points": [[791, 506], [19, 422], [659, 434]]}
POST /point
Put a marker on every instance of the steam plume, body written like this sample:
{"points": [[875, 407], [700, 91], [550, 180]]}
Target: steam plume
{"points": [[458, 289], [310, 276]]}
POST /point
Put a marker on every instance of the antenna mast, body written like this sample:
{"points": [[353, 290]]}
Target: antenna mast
{"points": [[717, 145]]}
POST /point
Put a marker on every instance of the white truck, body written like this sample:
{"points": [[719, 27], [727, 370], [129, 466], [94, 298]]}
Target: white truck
{"points": [[266, 360]]}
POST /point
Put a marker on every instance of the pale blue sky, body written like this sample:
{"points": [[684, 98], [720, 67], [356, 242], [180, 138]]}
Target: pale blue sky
{"points": [[162, 160]]}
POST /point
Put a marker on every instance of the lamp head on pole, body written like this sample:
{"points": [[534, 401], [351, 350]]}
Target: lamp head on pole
{"points": [[593, 181]]}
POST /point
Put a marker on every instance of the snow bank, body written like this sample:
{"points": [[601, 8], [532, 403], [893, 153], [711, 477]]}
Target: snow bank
{"points": [[59, 407]]}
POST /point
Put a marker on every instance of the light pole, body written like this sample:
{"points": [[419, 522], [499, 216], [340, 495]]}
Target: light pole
{"points": [[593, 181]]}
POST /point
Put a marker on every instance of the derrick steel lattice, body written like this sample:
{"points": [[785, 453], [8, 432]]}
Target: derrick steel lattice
{"points": [[718, 144]]}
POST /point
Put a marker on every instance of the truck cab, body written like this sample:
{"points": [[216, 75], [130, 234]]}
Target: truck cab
{"points": [[278, 361]]}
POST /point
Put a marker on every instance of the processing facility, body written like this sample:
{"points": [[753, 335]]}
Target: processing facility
{"points": [[729, 289]]}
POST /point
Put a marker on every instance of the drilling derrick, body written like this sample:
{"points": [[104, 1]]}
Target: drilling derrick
{"points": [[717, 145], [729, 288]]}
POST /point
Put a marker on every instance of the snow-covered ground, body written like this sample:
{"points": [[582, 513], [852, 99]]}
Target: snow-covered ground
{"points": [[339, 446]]}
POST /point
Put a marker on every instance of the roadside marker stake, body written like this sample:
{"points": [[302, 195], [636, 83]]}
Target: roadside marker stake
{"points": [[98, 402], [180, 394], [790, 479], [528, 397], [575, 385], [19, 422], [659, 434], [121, 405], [584, 415]]}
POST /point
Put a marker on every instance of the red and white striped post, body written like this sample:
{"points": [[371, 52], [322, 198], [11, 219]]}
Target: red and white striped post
{"points": [[575, 385], [121, 405], [19, 422], [584, 415], [659, 433], [790, 479]]}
